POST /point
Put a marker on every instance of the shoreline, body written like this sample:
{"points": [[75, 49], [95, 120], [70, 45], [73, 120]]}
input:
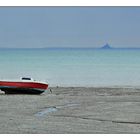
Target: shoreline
{"points": [[109, 86], [96, 86]]}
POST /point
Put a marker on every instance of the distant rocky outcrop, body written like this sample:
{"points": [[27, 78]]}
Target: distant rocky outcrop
{"points": [[106, 46]]}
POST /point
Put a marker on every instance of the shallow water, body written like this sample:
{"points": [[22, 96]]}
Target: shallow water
{"points": [[73, 67]]}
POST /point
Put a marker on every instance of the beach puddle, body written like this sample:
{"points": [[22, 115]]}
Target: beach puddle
{"points": [[48, 110]]}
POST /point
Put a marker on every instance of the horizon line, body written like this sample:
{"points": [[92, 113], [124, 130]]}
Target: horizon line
{"points": [[71, 48]]}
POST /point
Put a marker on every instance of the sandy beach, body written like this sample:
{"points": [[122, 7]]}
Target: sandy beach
{"points": [[72, 110]]}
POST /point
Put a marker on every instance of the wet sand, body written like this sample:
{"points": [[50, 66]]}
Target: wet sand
{"points": [[72, 110]]}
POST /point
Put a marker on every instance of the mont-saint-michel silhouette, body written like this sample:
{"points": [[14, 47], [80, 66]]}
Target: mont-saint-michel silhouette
{"points": [[106, 46]]}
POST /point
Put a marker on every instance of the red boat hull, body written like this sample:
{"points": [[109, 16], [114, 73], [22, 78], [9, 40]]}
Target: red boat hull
{"points": [[23, 87]]}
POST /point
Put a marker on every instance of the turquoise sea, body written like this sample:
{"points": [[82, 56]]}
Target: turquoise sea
{"points": [[73, 67]]}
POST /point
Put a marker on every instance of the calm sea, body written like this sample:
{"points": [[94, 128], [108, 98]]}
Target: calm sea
{"points": [[73, 67]]}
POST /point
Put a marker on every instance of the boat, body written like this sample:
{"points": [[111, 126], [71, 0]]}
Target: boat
{"points": [[23, 86]]}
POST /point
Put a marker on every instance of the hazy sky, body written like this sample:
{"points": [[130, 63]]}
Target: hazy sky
{"points": [[38, 27]]}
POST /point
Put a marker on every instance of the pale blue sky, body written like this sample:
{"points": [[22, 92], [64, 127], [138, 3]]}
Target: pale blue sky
{"points": [[37, 27]]}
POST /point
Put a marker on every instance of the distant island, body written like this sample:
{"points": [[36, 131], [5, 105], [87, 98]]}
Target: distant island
{"points": [[106, 46]]}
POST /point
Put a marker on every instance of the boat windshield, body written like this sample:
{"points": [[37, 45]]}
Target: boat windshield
{"points": [[24, 78]]}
